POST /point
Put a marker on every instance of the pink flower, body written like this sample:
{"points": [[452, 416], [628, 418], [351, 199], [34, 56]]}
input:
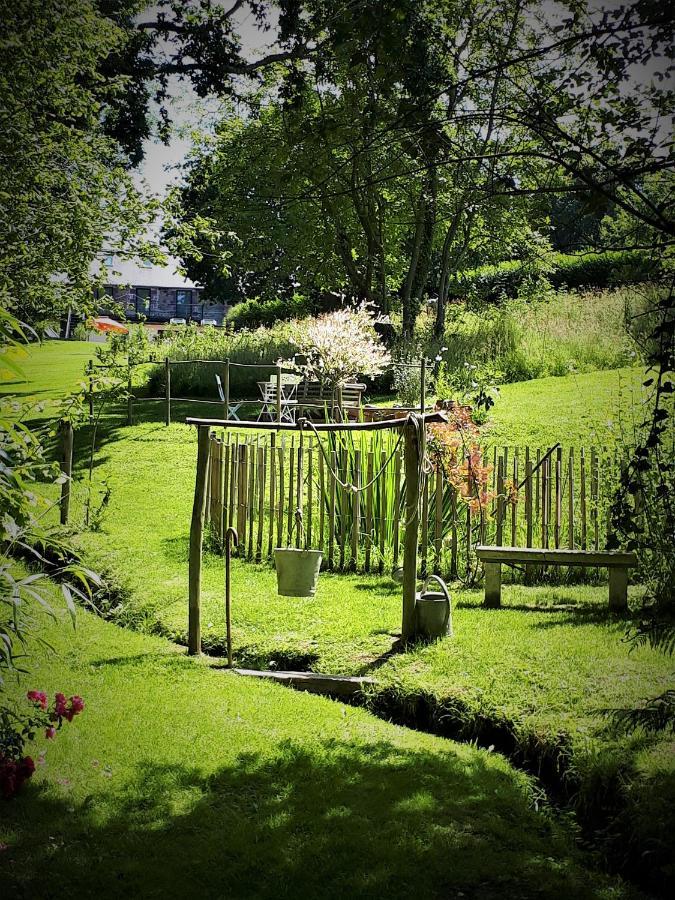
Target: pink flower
{"points": [[38, 697], [59, 704], [50, 733], [25, 768], [76, 706]]}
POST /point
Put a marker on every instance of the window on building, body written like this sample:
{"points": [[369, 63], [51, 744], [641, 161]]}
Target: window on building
{"points": [[108, 260], [146, 264], [183, 304], [142, 301]]}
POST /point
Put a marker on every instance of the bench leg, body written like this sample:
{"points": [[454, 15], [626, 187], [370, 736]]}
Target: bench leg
{"points": [[493, 585], [618, 588]]}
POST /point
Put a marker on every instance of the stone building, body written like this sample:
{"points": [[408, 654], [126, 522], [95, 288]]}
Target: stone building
{"points": [[152, 293]]}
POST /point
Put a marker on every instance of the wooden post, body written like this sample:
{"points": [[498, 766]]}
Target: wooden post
{"points": [[558, 497], [383, 511], [412, 518], [369, 509], [90, 390], [196, 541], [618, 588], [499, 539], [226, 398], [279, 397], [272, 502], [167, 379], [423, 384], [397, 507], [130, 399], [570, 508], [438, 533], [529, 534], [582, 488], [514, 501], [322, 497], [331, 509], [66, 430], [262, 467], [356, 511]]}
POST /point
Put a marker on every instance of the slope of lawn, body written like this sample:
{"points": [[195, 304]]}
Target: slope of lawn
{"points": [[540, 671], [51, 369], [179, 779]]}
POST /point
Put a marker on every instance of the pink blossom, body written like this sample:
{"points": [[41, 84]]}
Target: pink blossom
{"points": [[50, 733], [38, 697], [59, 704]]}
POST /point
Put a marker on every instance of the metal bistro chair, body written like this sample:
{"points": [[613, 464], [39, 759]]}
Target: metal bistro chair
{"points": [[268, 392], [232, 407]]}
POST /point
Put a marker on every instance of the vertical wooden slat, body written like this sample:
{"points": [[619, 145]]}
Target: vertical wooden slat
{"points": [[369, 510], [242, 491], [544, 502], [412, 487], [251, 499], [342, 471], [538, 475], [528, 499], [232, 515], [291, 494], [331, 509], [424, 535], [570, 500], [196, 541], [322, 498], [262, 473], [595, 485], [453, 532], [299, 492], [499, 539], [397, 507], [310, 494], [226, 487], [514, 500], [383, 510], [356, 510], [272, 493], [558, 496], [438, 518], [582, 490], [167, 389], [282, 493]]}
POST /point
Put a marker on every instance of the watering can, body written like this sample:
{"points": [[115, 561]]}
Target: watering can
{"points": [[433, 610]]}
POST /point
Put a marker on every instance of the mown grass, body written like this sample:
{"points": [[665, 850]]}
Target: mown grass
{"points": [[540, 670], [180, 779]]}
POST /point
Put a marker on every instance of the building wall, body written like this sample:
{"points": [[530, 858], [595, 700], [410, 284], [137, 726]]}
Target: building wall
{"points": [[162, 305]]}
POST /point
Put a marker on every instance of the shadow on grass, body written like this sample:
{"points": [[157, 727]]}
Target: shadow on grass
{"points": [[332, 819]]}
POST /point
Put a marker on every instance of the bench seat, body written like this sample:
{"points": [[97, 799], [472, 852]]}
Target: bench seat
{"points": [[616, 562]]}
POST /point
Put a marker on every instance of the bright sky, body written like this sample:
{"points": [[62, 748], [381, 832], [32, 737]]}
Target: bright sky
{"points": [[160, 167]]}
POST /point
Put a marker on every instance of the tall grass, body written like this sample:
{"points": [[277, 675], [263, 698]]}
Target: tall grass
{"points": [[262, 347], [562, 333]]}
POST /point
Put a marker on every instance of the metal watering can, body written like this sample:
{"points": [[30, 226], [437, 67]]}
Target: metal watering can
{"points": [[433, 610]]}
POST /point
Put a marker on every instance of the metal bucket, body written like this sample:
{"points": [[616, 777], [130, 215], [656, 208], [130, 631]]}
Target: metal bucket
{"points": [[297, 571], [433, 611]]}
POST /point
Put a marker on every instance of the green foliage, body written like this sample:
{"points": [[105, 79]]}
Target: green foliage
{"points": [[255, 313], [559, 334], [598, 270], [262, 347], [64, 182]]}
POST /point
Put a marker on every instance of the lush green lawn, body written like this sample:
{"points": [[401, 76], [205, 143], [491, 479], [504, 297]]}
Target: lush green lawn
{"points": [[181, 780], [543, 667], [51, 369]]}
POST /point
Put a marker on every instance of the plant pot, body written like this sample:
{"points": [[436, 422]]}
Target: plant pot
{"points": [[297, 571], [432, 611]]}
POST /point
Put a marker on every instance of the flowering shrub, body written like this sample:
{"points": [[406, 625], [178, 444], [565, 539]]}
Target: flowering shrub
{"points": [[455, 449], [341, 346], [16, 729]]}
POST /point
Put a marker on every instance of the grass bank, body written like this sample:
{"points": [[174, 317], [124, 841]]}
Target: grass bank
{"points": [[180, 778]]}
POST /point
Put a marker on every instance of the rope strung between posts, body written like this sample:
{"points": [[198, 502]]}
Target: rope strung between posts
{"points": [[347, 485]]}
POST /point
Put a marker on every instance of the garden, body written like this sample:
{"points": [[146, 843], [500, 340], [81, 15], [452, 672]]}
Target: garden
{"points": [[367, 589]]}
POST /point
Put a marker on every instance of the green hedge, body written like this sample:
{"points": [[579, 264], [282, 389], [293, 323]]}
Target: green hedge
{"points": [[254, 313], [597, 270]]}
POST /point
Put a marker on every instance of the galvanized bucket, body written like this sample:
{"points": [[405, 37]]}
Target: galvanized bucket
{"points": [[433, 610], [297, 571]]}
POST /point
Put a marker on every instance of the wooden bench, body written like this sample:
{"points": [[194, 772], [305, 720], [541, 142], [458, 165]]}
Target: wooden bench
{"points": [[616, 563], [317, 397]]}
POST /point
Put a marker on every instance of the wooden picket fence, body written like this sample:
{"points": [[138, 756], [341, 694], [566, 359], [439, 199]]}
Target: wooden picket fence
{"points": [[351, 500]]}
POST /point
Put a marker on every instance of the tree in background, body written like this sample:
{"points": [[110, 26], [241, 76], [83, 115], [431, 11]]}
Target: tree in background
{"points": [[64, 182]]}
